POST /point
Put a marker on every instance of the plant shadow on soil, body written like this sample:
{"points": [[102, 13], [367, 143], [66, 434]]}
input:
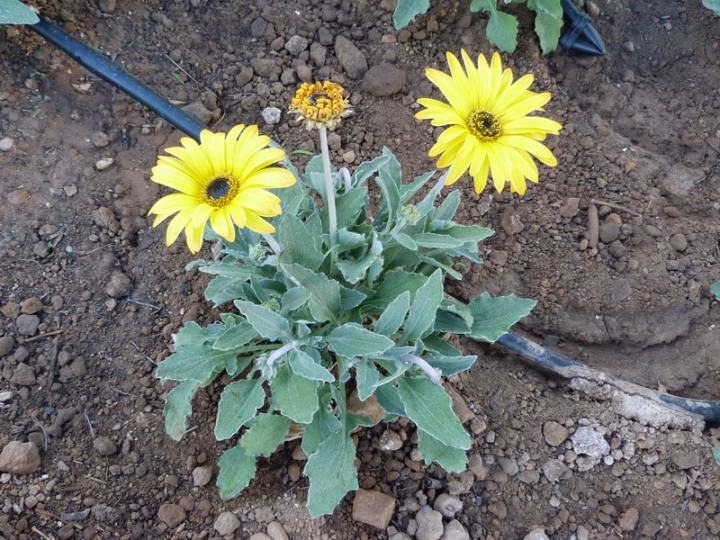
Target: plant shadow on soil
{"points": [[642, 132]]}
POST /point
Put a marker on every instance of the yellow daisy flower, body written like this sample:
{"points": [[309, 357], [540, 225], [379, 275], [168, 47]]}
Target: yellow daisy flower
{"points": [[490, 131], [320, 103], [224, 180]]}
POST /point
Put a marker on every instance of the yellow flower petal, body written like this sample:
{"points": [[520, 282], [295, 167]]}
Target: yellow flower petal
{"points": [[258, 224]]}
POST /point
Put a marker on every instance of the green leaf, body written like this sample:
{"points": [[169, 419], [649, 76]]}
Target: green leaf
{"points": [[367, 377], [450, 365], [434, 240], [294, 396], [237, 468], [238, 404], [449, 206], [715, 287], [331, 472], [194, 363], [430, 407], [492, 317], [716, 454], [352, 340], [449, 458], [304, 365], [354, 270], [713, 5], [367, 168], [268, 432], [467, 233], [408, 190], [422, 311], [222, 289], [450, 322], [324, 302], [178, 406], [230, 269], [235, 336], [394, 284], [266, 322], [405, 241], [501, 31], [323, 425], [407, 10], [389, 400], [393, 316], [548, 22], [294, 299], [390, 179], [298, 245], [14, 12], [192, 333], [349, 205], [350, 298]]}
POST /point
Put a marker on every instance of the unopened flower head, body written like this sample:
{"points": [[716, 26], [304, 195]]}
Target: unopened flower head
{"points": [[490, 131], [320, 103], [223, 180]]}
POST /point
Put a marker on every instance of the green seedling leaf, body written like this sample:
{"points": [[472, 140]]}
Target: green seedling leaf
{"points": [[407, 10], [713, 5], [548, 22], [393, 316], [450, 365], [368, 168], [222, 289], [238, 403], [389, 400], [305, 365], [422, 311], [331, 473], [268, 432], [237, 468], [194, 363], [294, 396], [235, 336], [352, 340], [193, 334], [450, 322], [367, 377], [324, 301], [501, 28], [434, 240], [715, 287], [430, 407], [494, 316], [14, 12], [324, 424], [266, 322], [393, 284], [448, 207], [716, 454], [449, 458], [178, 407], [467, 233], [298, 245]]}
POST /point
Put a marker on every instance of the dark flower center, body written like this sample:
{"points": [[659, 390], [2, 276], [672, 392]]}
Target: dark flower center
{"points": [[484, 126], [218, 188]]}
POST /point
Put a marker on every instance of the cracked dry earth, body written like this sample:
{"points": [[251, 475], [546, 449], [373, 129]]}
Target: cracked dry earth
{"points": [[89, 294]]}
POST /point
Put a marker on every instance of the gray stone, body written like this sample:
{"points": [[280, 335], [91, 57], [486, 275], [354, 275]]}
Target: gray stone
{"points": [[23, 375], [27, 325], [271, 115], [509, 466], [19, 458], [609, 232], [430, 525], [498, 508], [589, 442], [680, 181], [678, 242], [448, 505], [287, 78], [555, 470], [476, 465], [6, 345], [383, 80], [554, 433], [265, 67], [104, 446], [530, 476], [351, 58], [245, 76], [226, 523], [31, 306], [6, 144], [105, 218], [318, 53], [373, 508], [628, 521], [455, 531], [570, 208], [171, 515], [259, 536], [296, 44], [536, 534], [118, 285], [199, 111], [685, 460], [276, 531], [202, 475], [104, 163], [510, 222]]}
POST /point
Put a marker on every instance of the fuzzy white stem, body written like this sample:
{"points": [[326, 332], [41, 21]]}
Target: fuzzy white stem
{"points": [[272, 243], [277, 353], [345, 173], [330, 190], [430, 371]]}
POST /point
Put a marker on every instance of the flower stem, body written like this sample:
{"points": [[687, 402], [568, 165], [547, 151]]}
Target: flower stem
{"points": [[272, 243], [329, 191], [277, 353], [430, 371]]}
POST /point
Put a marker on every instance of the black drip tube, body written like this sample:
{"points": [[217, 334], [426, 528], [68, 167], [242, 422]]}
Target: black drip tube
{"points": [[100, 65], [534, 353]]}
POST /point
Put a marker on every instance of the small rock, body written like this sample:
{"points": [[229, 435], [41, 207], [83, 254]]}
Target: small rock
{"points": [[685, 460], [276, 531], [104, 163], [31, 306], [10, 310], [105, 218], [455, 531], [62, 417], [259, 536], [498, 508], [383, 80], [678, 242], [373, 507], [609, 232], [23, 375], [318, 53], [265, 67], [271, 115], [226, 523], [510, 222], [351, 58], [476, 465], [107, 6], [296, 44], [430, 525], [27, 325], [529, 477], [509, 466], [554, 433], [6, 345], [171, 515], [118, 285], [390, 441], [628, 521], [587, 441], [570, 208], [105, 446], [202, 475], [199, 112], [536, 534], [448, 505], [6, 144], [245, 76], [555, 470], [100, 139], [19, 458], [105, 513]]}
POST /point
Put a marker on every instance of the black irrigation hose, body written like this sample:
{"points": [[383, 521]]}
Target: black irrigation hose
{"points": [[101, 66]]}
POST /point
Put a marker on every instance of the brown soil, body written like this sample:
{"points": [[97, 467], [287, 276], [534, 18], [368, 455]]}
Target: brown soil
{"points": [[641, 138]]}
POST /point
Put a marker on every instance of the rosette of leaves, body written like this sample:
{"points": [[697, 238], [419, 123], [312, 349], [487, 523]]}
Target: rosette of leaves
{"points": [[301, 332], [502, 27]]}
